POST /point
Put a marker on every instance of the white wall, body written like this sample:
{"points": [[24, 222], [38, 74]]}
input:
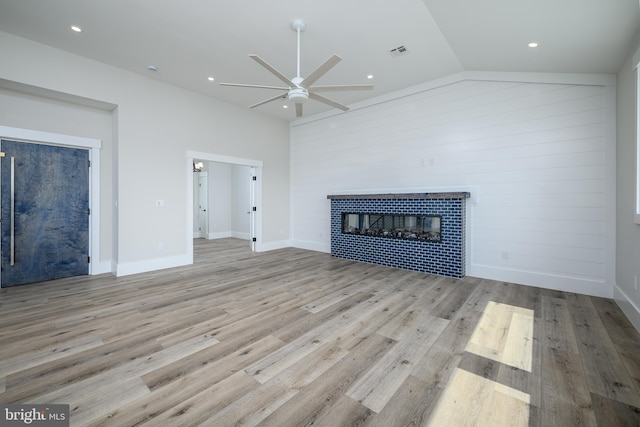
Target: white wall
{"points": [[538, 159], [628, 233], [157, 124]]}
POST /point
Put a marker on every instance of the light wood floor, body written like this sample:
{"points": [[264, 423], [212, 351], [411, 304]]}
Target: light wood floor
{"points": [[297, 338]]}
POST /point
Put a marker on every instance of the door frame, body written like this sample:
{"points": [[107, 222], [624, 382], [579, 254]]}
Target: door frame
{"points": [[257, 194], [203, 233], [93, 146]]}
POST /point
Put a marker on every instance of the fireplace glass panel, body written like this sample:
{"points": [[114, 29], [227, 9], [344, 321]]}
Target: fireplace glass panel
{"points": [[410, 227]]}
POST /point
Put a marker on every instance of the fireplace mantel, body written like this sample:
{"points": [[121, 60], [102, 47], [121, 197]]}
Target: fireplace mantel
{"points": [[401, 196]]}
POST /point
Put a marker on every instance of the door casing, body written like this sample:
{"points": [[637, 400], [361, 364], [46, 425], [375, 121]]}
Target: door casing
{"points": [[94, 146]]}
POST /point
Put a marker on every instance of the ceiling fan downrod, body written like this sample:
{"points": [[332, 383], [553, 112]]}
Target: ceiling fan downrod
{"points": [[298, 25]]}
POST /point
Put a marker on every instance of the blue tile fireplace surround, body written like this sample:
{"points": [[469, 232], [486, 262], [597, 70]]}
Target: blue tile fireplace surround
{"points": [[439, 250]]}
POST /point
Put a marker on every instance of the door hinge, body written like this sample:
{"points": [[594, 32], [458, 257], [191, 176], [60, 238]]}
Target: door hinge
{"points": [[255, 209], [254, 178], [254, 239], [89, 211], [89, 162], [88, 260]]}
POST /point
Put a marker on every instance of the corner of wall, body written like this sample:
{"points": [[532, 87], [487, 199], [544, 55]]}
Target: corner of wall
{"points": [[627, 306]]}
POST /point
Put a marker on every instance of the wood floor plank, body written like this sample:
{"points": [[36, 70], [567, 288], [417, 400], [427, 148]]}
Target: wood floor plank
{"points": [[382, 381], [613, 413], [198, 409], [314, 404], [623, 336], [411, 405], [605, 371], [187, 397], [334, 328], [292, 337], [565, 391], [470, 399]]}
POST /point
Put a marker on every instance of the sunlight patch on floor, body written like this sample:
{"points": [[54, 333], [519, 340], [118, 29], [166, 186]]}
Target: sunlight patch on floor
{"points": [[472, 400], [504, 334]]}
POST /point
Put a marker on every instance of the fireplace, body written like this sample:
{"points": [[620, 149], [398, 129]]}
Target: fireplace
{"points": [[411, 227], [415, 231]]}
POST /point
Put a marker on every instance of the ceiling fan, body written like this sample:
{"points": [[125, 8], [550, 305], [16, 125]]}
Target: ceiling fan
{"points": [[299, 89]]}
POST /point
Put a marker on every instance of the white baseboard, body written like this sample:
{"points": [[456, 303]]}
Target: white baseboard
{"points": [[312, 246], [127, 268], [101, 267], [271, 246], [219, 235], [627, 306], [548, 281], [239, 235]]}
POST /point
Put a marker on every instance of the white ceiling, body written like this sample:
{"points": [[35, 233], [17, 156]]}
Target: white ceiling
{"points": [[191, 40]]}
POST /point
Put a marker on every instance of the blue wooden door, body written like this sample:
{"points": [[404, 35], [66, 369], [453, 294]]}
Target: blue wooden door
{"points": [[46, 234]]}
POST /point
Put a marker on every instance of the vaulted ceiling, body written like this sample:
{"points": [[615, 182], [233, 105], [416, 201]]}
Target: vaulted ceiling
{"points": [[192, 40]]}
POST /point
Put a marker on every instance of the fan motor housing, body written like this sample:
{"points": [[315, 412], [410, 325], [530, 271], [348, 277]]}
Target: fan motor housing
{"points": [[298, 94]]}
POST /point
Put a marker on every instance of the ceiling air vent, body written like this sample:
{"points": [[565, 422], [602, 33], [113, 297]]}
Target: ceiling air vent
{"points": [[398, 51]]}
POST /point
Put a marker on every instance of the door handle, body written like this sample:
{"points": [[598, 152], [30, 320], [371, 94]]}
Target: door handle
{"points": [[12, 255]]}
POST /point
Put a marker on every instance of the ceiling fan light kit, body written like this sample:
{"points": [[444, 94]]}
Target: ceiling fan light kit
{"points": [[300, 89]]}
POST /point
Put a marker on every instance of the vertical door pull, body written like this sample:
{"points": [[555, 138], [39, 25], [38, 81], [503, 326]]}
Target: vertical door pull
{"points": [[13, 211]]}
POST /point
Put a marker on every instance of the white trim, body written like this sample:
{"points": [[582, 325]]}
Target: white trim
{"points": [[636, 213], [94, 146], [579, 285], [635, 62], [548, 78], [127, 268], [627, 306], [219, 235], [272, 246], [610, 195], [210, 157], [49, 138], [240, 235], [312, 246], [224, 159]]}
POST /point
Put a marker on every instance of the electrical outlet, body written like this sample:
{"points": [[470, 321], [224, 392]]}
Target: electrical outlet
{"points": [[635, 282], [505, 255], [161, 246], [159, 203]]}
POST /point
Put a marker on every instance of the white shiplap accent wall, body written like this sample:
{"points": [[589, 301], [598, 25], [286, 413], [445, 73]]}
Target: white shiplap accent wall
{"points": [[536, 158]]}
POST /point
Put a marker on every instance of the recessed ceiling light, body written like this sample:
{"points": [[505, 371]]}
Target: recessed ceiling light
{"points": [[210, 78], [76, 28], [152, 68], [533, 44], [370, 76], [285, 106]]}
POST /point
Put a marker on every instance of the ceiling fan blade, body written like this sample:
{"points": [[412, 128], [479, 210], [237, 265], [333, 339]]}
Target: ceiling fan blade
{"points": [[258, 86], [321, 70], [327, 101], [272, 70], [337, 88], [281, 96], [298, 109]]}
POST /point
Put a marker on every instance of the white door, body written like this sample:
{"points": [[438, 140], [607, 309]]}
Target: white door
{"points": [[203, 203]]}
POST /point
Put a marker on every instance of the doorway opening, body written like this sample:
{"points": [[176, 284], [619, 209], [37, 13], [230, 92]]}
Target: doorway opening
{"points": [[224, 198]]}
